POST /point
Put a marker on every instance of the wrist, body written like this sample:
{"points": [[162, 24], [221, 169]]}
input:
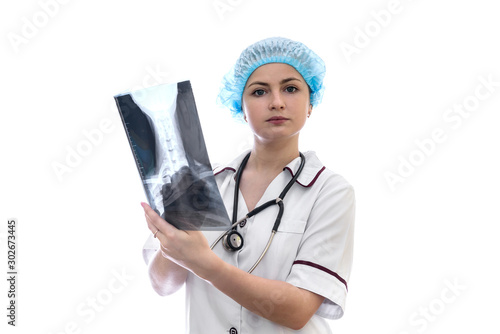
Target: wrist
{"points": [[211, 267]]}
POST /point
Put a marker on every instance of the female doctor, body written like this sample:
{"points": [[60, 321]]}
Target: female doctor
{"points": [[302, 278]]}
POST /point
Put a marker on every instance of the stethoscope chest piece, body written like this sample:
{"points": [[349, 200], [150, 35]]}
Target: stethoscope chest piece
{"points": [[232, 241]]}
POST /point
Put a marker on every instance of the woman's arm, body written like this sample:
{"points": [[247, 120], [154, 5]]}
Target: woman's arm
{"points": [[274, 300], [166, 277]]}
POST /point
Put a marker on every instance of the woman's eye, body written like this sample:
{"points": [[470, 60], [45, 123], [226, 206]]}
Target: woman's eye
{"points": [[259, 92], [291, 89]]}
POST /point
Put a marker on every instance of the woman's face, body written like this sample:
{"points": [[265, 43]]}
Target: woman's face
{"points": [[276, 102]]}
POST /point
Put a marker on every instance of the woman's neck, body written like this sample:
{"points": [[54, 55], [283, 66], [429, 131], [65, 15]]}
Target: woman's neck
{"points": [[273, 156]]}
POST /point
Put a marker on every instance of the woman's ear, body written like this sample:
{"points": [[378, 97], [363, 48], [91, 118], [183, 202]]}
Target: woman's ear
{"points": [[310, 111], [244, 114]]}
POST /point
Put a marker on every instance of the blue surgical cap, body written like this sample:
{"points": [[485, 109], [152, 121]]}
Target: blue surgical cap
{"points": [[272, 50]]}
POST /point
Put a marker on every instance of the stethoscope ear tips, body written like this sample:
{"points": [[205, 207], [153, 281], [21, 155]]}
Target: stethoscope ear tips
{"points": [[232, 241]]}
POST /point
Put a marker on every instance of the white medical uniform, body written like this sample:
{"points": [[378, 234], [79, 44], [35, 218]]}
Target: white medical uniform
{"points": [[312, 250]]}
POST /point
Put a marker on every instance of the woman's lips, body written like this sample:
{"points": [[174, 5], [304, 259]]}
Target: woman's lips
{"points": [[277, 120]]}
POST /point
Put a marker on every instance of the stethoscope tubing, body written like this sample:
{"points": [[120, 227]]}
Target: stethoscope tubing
{"points": [[258, 209]]}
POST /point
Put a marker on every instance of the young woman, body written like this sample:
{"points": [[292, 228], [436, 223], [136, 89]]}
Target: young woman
{"points": [[305, 230]]}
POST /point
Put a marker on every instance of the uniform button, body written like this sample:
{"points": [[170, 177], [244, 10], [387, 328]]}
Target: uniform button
{"points": [[233, 330], [243, 223]]}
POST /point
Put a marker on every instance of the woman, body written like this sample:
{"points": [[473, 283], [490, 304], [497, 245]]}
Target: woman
{"points": [[303, 276]]}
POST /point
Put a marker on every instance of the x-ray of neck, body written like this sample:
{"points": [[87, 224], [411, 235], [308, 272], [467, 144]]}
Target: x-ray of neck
{"points": [[167, 142]]}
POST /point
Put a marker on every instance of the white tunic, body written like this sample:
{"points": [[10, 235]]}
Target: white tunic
{"points": [[312, 250]]}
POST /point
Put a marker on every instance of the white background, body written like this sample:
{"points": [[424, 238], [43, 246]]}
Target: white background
{"points": [[77, 230]]}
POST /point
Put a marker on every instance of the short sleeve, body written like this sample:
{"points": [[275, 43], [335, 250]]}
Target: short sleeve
{"points": [[150, 247], [324, 258]]}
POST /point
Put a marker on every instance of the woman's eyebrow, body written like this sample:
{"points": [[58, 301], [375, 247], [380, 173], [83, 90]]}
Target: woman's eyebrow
{"points": [[288, 80], [267, 85]]}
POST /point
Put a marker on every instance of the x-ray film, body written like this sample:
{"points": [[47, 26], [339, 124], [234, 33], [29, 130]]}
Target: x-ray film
{"points": [[166, 139]]}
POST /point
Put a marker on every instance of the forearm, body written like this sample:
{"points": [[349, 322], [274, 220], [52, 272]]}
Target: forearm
{"points": [[274, 300], [166, 277]]}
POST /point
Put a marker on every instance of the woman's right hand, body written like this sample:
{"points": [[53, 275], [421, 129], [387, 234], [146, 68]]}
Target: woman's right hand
{"points": [[188, 249]]}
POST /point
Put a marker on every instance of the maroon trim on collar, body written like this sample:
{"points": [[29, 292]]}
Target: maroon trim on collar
{"points": [[226, 168], [313, 180], [326, 270]]}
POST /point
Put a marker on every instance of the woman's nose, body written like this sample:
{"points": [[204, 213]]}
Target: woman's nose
{"points": [[277, 101]]}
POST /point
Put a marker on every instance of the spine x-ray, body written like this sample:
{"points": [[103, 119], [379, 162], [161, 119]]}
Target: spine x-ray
{"points": [[166, 139]]}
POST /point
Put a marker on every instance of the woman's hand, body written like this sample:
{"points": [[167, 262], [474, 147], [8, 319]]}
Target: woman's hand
{"points": [[188, 249]]}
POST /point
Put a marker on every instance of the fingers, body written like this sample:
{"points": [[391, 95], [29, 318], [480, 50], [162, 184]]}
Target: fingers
{"points": [[155, 222]]}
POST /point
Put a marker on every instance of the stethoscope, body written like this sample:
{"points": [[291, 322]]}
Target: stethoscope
{"points": [[232, 240]]}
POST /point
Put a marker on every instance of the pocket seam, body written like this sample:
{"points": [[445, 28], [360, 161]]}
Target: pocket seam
{"points": [[292, 226]]}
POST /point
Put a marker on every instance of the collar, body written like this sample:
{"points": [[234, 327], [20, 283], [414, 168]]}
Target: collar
{"points": [[312, 169]]}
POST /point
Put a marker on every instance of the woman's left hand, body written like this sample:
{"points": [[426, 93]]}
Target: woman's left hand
{"points": [[188, 249]]}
